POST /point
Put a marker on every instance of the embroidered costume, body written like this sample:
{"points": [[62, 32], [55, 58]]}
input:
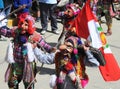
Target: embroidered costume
{"points": [[71, 61], [72, 58], [20, 55]]}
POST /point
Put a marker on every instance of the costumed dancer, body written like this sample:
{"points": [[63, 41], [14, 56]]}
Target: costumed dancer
{"points": [[70, 61], [69, 14], [67, 17], [20, 55]]}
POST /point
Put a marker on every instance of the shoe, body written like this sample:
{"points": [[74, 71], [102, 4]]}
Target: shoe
{"points": [[55, 31], [108, 33], [43, 32], [37, 19]]}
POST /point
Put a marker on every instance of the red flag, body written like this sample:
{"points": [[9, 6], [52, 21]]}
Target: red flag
{"points": [[81, 21], [87, 25]]}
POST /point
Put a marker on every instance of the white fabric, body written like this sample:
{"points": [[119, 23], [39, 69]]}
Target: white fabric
{"points": [[9, 54], [52, 81], [31, 56], [4, 22], [97, 39], [96, 42], [3, 14], [47, 58], [48, 1], [62, 3]]}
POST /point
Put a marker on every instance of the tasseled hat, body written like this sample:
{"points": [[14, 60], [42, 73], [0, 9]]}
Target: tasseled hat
{"points": [[74, 7], [31, 23], [75, 41]]}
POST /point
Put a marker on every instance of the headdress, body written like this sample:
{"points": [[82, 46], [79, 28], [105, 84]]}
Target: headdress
{"points": [[31, 23], [74, 7], [75, 41]]}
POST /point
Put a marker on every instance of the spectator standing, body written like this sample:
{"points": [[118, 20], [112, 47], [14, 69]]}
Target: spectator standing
{"points": [[35, 7], [47, 9], [25, 6], [103, 9]]}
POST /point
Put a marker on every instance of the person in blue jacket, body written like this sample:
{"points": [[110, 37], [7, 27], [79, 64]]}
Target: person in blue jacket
{"points": [[25, 6]]}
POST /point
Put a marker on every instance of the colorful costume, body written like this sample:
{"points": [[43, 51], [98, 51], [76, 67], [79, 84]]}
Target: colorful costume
{"points": [[71, 61], [20, 55], [68, 17]]}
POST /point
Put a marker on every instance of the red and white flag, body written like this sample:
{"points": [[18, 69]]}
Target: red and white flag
{"points": [[86, 26]]}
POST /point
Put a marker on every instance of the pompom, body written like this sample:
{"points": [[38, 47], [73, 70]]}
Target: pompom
{"points": [[84, 82], [76, 56], [75, 51], [24, 50], [23, 39], [35, 37]]}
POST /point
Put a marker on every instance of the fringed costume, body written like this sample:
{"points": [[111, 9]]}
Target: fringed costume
{"points": [[20, 56]]}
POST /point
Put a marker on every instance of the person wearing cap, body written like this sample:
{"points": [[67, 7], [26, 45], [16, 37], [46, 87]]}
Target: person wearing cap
{"points": [[20, 55]]}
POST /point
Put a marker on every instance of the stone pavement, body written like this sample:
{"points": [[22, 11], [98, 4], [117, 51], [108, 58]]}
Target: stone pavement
{"points": [[95, 79]]}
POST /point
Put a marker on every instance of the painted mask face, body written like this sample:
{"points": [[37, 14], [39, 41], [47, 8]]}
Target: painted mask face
{"points": [[24, 27], [66, 48], [69, 13], [69, 47]]}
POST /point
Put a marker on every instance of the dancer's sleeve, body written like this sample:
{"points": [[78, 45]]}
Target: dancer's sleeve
{"points": [[90, 60], [47, 58], [7, 32]]}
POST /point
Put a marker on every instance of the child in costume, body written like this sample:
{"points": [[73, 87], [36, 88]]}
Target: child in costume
{"points": [[71, 60], [20, 55]]}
